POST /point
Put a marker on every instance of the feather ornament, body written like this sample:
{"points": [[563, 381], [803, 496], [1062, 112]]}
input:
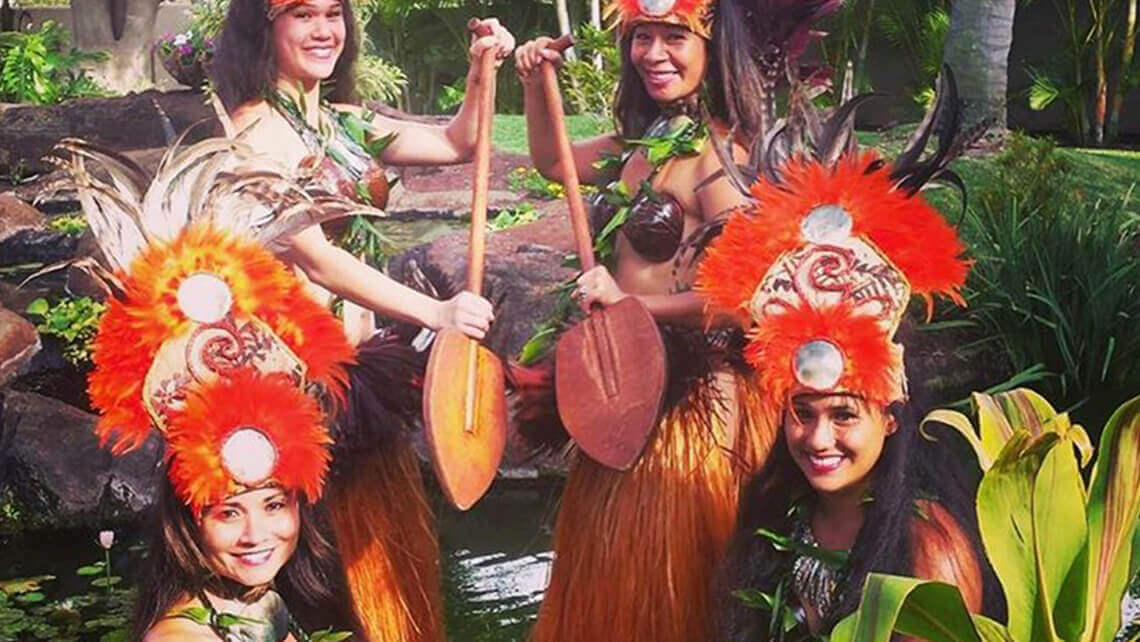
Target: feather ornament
{"points": [[271, 404], [133, 329]]}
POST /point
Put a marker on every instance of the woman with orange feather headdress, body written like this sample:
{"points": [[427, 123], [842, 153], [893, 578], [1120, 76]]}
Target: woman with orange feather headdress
{"points": [[821, 271], [635, 549], [284, 77], [210, 342]]}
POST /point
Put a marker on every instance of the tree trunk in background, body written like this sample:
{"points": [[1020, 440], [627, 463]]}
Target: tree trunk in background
{"points": [[596, 21], [977, 49], [129, 67], [1127, 55], [564, 23]]}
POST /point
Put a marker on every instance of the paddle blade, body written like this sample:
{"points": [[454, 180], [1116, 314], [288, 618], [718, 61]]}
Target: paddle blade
{"points": [[610, 382], [466, 433]]}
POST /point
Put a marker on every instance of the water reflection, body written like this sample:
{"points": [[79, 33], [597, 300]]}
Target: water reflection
{"points": [[497, 561]]}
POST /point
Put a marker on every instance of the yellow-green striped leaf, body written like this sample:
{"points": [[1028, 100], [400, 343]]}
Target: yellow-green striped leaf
{"points": [[921, 609], [1113, 509], [1005, 519]]}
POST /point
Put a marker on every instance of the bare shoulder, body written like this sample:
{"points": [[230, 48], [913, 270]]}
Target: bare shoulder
{"points": [[943, 552], [715, 191], [171, 627], [250, 113]]}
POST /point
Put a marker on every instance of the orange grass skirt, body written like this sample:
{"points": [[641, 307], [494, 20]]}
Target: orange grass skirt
{"points": [[386, 536], [636, 551]]}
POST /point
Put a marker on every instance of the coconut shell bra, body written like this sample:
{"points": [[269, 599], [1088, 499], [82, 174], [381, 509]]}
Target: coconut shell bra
{"points": [[652, 222], [342, 151]]}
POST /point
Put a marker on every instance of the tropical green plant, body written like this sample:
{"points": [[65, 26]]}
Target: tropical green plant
{"points": [[38, 67], [378, 79], [1056, 280], [451, 96], [849, 31], [207, 17], [28, 610], [70, 224], [1093, 70], [1063, 550], [508, 218], [73, 321], [920, 29], [589, 81], [529, 181]]}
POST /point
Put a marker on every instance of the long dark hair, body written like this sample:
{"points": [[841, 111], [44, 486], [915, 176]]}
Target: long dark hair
{"points": [[243, 67], [733, 90], [909, 468], [176, 566]]}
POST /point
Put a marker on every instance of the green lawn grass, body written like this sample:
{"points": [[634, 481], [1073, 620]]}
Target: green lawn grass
{"points": [[510, 130], [1105, 171]]}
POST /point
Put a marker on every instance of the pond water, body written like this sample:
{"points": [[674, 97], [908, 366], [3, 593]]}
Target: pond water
{"points": [[496, 558]]}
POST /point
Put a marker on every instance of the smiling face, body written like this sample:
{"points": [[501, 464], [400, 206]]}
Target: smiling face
{"points": [[671, 60], [249, 537], [308, 40], [836, 440]]}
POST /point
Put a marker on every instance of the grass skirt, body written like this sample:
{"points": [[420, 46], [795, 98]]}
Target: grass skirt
{"points": [[384, 526], [636, 551]]}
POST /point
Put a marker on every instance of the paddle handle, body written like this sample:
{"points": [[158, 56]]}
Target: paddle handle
{"points": [[477, 247], [578, 218]]}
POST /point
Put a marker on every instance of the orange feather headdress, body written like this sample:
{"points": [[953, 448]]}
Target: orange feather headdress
{"points": [[209, 338], [695, 15], [823, 264], [275, 8]]}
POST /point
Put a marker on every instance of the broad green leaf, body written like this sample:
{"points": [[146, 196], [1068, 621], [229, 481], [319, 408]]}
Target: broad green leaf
{"points": [[1005, 519], [833, 559], [24, 584], [844, 630], [197, 614], [922, 609], [989, 630], [961, 424], [1113, 509], [328, 635], [104, 582], [38, 307], [1060, 534], [994, 428], [89, 570], [757, 599]]}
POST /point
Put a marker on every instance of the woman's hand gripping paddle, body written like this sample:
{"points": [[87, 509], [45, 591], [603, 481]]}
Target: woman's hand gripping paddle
{"points": [[609, 374], [465, 407]]}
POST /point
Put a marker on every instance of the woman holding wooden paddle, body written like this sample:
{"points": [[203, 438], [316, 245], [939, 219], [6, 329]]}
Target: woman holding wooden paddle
{"points": [[274, 59], [650, 506]]}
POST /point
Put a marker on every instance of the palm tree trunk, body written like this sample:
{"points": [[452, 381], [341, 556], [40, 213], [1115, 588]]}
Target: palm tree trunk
{"points": [[130, 64], [564, 23], [1127, 54], [596, 22], [977, 49], [1100, 10]]}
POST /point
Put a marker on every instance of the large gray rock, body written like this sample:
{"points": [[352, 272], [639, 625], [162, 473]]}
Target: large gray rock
{"points": [[19, 342], [134, 121], [17, 216], [56, 475], [524, 264]]}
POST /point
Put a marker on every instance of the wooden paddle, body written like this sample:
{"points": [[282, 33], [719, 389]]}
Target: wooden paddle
{"points": [[465, 407], [609, 374]]}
